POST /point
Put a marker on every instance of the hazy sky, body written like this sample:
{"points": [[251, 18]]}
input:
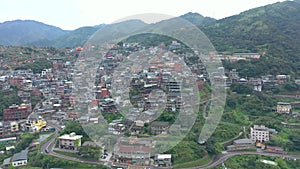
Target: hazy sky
{"points": [[72, 14]]}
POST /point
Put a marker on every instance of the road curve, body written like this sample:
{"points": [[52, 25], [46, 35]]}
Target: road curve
{"points": [[219, 159], [48, 147]]}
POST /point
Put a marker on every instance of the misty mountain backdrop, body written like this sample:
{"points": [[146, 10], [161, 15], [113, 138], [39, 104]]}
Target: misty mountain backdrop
{"points": [[273, 28], [22, 32]]}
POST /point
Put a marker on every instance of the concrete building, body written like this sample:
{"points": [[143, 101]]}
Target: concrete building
{"points": [[8, 127], [259, 133], [70, 141], [283, 107], [5, 128], [16, 112], [241, 144], [163, 160], [132, 152], [14, 126], [159, 127], [247, 55], [35, 125], [18, 159]]}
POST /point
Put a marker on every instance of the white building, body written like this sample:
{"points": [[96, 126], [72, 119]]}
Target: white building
{"points": [[20, 159], [70, 141], [260, 133], [163, 160]]}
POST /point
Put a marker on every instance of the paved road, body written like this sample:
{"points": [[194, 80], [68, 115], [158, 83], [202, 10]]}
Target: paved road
{"points": [[219, 159], [48, 147]]}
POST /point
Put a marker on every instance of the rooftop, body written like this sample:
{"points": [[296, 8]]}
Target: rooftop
{"points": [[133, 149], [283, 103], [163, 156], [20, 156], [159, 124], [243, 141], [71, 136], [260, 127]]}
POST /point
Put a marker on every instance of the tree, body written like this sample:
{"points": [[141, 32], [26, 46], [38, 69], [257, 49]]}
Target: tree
{"points": [[11, 167], [73, 126], [92, 152], [212, 147], [241, 88], [291, 86], [7, 98], [295, 138], [25, 141], [37, 66]]}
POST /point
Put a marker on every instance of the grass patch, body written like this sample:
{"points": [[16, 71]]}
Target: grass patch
{"points": [[36, 159], [67, 154], [205, 160], [74, 155]]}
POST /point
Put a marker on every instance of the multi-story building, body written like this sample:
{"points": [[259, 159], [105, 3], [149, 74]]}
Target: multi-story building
{"points": [[259, 133], [241, 144], [5, 128], [283, 107], [70, 141], [133, 153], [16, 112], [35, 125], [282, 79], [163, 160], [159, 127]]}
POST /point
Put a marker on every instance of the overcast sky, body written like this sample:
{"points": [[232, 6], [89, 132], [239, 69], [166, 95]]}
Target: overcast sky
{"points": [[72, 14]]}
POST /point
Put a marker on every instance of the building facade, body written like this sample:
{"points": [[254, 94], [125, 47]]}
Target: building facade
{"points": [[241, 144], [70, 141], [159, 127], [16, 112], [132, 153], [259, 133], [163, 160], [283, 107], [20, 159]]}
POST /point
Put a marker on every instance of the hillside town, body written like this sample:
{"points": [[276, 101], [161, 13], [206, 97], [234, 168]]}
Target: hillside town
{"points": [[54, 103]]}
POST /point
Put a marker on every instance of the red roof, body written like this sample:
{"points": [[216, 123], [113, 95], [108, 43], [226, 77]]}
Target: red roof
{"points": [[133, 148]]}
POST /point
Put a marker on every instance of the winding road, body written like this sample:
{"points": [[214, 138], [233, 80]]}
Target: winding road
{"points": [[221, 158], [47, 148]]}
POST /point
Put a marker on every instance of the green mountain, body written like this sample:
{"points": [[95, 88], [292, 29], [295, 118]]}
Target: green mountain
{"points": [[273, 28], [20, 32], [110, 31], [198, 19], [80, 36], [72, 39]]}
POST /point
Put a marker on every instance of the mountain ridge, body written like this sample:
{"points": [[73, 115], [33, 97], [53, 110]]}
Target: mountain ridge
{"points": [[20, 32], [259, 29], [251, 30]]}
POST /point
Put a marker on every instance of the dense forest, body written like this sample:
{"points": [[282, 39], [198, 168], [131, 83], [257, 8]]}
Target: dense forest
{"points": [[271, 30]]}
